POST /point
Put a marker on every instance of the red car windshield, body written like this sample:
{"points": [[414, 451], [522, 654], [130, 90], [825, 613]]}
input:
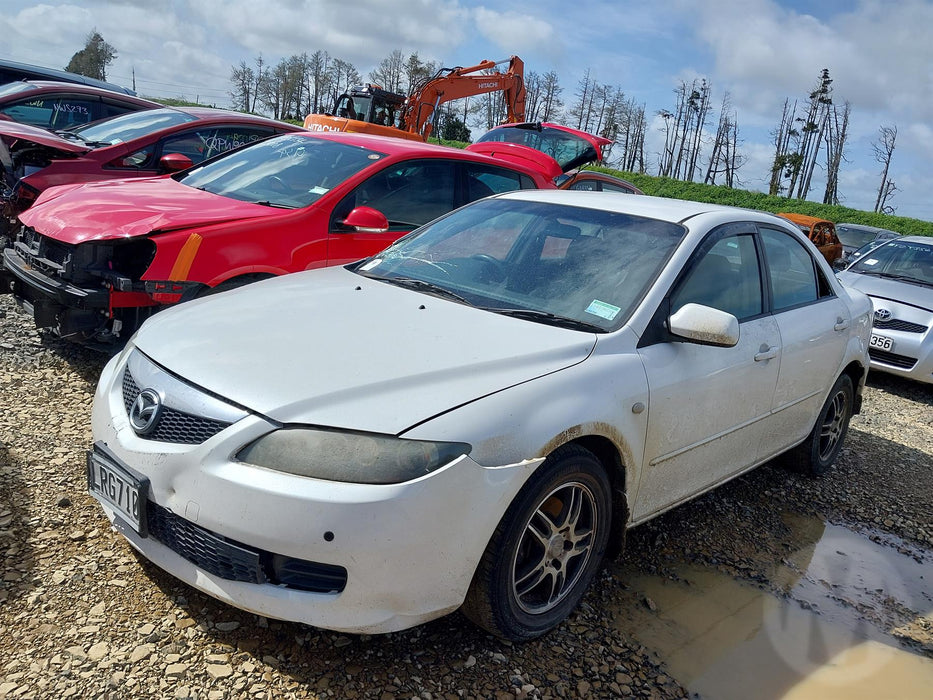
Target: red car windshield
{"points": [[131, 126], [287, 171]]}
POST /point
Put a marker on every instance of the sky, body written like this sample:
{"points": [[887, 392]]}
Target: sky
{"points": [[762, 52]]}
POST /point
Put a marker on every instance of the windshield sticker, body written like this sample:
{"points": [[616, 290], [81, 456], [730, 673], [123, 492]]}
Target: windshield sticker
{"points": [[374, 156], [371, 264], [872, 261], [317, 189], [602, 309]]}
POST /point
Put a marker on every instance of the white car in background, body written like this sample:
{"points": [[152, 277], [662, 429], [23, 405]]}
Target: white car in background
{"points": [[898, 278], [473, 417]]}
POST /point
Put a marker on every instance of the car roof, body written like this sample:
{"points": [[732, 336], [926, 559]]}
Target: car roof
{"points": [[926, 240], [803, 219], [216, 113], [27, 70], [41, 86], [865, 227], [390, 145], [660, 208], [393, 146]]}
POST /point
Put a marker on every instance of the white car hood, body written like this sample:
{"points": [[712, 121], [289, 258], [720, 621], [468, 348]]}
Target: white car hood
{"points": [[329, 347], [891, 289]]}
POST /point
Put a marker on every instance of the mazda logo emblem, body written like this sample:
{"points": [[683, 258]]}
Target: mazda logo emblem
{"points": [[145, 411], [882, 314]]}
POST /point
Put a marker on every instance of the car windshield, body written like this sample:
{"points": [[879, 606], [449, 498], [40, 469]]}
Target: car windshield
{"points": [[131, 126], [287, 171], [14, 88], [562, 265], [903, 260]]}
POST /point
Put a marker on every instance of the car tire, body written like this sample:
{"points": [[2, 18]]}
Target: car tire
{"points": [[546, 549], [818, 452]]}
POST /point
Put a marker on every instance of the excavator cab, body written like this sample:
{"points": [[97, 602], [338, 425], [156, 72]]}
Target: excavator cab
{"points": [[369, 103]]}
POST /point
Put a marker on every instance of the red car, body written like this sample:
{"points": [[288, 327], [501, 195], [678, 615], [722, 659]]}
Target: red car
{"points": [[56, 105], [93, 261], [131, 145]]}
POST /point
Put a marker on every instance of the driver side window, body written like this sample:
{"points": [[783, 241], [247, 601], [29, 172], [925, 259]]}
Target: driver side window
{"points": [[726, 277], [409, 194]]}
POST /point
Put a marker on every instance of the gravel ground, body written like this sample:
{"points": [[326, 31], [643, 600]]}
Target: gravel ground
{"points": [[81, 616]]}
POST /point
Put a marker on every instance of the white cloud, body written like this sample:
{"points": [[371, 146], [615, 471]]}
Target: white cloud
{"points": [[514, 32]]}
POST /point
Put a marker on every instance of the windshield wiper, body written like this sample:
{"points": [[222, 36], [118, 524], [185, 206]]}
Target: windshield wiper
{"points": [[422, 286], [73, 136], [70, 135], [895, 276], [547, 317], [265, 202]]}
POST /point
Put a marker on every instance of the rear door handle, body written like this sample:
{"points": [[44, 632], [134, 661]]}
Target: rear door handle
{"points": [[766, 352], [841, 324]]}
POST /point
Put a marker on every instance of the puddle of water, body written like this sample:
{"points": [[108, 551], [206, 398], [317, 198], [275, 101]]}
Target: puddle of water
{"points": [[830, 638]]}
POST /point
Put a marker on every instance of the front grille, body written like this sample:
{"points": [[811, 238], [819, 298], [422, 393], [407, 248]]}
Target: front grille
{"points": [[45, 254], [894, 324], [174, 426], [208, 551], [890, 358], [234, 561]]}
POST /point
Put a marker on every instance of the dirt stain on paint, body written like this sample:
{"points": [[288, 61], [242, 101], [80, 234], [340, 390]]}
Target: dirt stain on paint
{"points": [[853, 608]]}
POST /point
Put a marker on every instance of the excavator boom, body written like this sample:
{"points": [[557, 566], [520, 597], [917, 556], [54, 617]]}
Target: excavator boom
{"points": [[371, 110]]}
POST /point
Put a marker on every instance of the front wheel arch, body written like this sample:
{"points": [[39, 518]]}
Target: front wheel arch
{"points": [[546, 549]]}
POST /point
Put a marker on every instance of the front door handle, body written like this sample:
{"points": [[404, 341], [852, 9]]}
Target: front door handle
{"points": [[766, 352], [841, 324]]}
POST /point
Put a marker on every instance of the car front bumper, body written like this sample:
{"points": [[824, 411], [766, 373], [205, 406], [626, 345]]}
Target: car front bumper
{"points": [[409, 550], [910, 331]]}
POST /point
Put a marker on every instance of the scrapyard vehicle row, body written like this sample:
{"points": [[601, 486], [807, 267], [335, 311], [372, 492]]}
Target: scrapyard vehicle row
{"points": [[93, 260]]}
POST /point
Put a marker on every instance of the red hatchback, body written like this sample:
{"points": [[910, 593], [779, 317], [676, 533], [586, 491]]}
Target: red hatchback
{"points": [[56, 105], [137, 144], [93, 261]]}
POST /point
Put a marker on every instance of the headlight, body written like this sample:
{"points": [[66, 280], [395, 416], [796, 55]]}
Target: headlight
{"points": [[359, 458]]}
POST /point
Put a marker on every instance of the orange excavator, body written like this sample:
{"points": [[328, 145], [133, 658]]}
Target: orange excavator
{"points": [[368, 109]]}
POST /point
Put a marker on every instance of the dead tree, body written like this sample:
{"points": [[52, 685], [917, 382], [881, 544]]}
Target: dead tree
{"points": [[812, 130], [836, 132], [782, 140], [884, 150], [724, 158]]}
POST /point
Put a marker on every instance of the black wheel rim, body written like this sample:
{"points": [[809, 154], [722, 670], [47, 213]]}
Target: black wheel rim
{"points": [[556, 544]]}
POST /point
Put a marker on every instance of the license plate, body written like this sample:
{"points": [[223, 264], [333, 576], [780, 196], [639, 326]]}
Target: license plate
{"points": [[881, 342], [114, 484]]}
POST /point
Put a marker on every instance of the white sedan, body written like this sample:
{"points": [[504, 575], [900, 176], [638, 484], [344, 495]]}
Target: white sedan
{"points": [[472, 418]]}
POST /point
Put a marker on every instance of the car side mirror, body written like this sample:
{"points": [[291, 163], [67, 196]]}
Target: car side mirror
{"points": [[173, 162], [705, 325], [840, 264], [366, 220]]}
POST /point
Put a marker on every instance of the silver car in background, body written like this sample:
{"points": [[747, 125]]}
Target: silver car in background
{"points": [[856, 236], [898, 278]]}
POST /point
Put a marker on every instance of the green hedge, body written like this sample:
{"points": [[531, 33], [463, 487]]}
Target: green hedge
{"points": [[698, 192]]}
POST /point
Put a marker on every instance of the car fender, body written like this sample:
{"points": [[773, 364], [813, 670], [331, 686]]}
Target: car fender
{"points": [[555, 409]]}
